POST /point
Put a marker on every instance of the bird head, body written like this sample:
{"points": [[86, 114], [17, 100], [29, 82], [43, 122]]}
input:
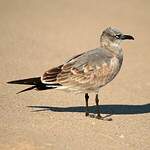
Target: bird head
{"points": [[112, 37]]}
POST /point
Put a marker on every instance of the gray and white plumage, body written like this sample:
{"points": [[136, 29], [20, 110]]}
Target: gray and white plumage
{"points": [[89, 71], [86, 72]]}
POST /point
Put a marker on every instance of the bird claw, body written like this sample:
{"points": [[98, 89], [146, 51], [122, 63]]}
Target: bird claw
{"points": [[99, 117], [86, 114], [103, 118]]}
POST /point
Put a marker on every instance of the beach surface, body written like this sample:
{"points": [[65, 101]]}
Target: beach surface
{"points": [[36, 35]]}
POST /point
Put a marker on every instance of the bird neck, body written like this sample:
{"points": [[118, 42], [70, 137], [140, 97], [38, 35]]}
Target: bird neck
{"points": [[112, 47]]}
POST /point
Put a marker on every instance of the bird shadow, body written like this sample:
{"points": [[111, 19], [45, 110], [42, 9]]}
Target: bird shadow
{"points": [[114, 109]]}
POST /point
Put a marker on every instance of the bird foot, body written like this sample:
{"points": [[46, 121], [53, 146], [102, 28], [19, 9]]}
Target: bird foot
{"points": [[105, 118], [86, 114]]}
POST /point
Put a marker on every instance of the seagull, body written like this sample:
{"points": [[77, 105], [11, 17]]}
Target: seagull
{"points": [[87, 72]]}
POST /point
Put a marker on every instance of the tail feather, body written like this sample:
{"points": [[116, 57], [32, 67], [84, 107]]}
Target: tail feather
{"points": [[27, 89], [36, 82], [29, 81]]}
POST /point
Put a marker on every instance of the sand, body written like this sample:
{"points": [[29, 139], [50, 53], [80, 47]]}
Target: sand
{"points": [[36, 35]]}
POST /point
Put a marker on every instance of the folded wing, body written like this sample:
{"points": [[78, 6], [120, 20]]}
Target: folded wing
{"points": [[80, 72]]}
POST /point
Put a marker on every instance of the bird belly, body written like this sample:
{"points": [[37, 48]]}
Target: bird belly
{"points": [[108, 72], [92, 81]]}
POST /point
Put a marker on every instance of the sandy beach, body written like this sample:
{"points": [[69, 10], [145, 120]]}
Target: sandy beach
{"points": [[36, 35]]}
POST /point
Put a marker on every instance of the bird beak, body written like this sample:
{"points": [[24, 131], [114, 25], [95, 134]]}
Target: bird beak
{"points": [[127, 37]]}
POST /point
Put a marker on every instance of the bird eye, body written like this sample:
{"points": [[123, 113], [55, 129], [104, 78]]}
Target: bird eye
{"points": [[118, 36]]}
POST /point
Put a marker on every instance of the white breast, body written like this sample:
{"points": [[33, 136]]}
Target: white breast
{"points": [[115, 67]]}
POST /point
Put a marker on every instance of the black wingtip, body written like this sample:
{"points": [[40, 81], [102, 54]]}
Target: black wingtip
{"points": [[9, 82], [30, 88], [28, 81], [15, 82]]}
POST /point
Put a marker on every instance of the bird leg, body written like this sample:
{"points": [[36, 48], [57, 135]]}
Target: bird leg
{"points": [[86, 100], [97, 107], [98, 111]]}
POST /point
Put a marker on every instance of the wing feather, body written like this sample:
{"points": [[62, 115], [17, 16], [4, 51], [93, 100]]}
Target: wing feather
{"points": [[50, 76], [88, 70]]}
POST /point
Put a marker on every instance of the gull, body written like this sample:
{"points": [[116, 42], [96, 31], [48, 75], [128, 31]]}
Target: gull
{"points": [[86, 72]]}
